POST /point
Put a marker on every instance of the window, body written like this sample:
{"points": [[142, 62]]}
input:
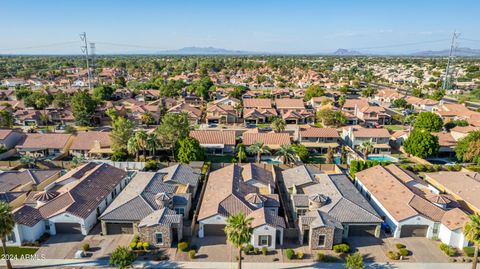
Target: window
{"points": [[321, 240], [180, 210], [264, 240], [159, 238], [47, 225], [11, 238], [301, 212]]}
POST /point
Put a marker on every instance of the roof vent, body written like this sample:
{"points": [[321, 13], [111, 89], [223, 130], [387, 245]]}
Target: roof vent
{"points": [[164, 199]]}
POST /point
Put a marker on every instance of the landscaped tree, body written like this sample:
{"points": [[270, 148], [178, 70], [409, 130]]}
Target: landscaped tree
{"points": [[301, 151], [133, 147], [148, 119], [258, 148], [189, 149], [428, 121], [468, 148], [399, 103], [153, 143], [6, 119], [329, 157], [313, 91], [141, 137], [368, 92], [471, 230], [287, 153], [421, 143], [354, 261], [329, 117], [28, 161], [122, 258], [201, 87], [122, 130], [102, 93], [239, 231], [278, 125], [241, 153], [83, 108], [173, 128], [343, 155], [366, 148], [7, 223]]}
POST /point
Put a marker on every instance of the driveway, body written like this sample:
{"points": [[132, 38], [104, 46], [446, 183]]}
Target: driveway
{"points": [[61, 246]]}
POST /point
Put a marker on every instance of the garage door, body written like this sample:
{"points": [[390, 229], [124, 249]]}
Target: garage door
{"points": [[214, 230], [68, 228], [119, 228], [361, 230], [414, 231]]}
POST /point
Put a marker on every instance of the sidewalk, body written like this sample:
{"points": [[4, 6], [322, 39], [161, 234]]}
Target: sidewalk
{"points": [[77, 263]]}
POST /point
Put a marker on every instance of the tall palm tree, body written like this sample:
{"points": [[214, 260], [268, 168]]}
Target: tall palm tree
{"points": [[471, 230], [132, 147], [278, 125], [287, 153], [7, 223], [153, 143], [241, 154], [239, 231], [366, 148], [258, 148], [142, 137]]}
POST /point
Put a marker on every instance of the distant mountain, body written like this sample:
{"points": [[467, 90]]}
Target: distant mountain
{"points": [[346, 52], [206, 51], [462, 52]]}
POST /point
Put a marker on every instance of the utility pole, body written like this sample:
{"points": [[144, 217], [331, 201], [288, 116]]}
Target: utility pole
{"points": [[83, 37], [451, 60]]}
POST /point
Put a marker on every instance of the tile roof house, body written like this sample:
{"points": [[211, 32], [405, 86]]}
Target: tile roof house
{"points": [[52, 145], [154, 202], [407, 208], [15, 185], [354, 136], [421, 104], [194, 114], [320, 139], [219, 113], [247, 189], [9, 138], [254, 116], [450, 112], [387, 96], [285, 104], [258, 103], [92, 144], [328, 208], [368, 114], [70, 204], [215, 141], [271, 139], [447, 144]]}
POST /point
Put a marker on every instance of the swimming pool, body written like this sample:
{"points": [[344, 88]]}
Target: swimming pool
{"points": [[382, 158], [270, 161]]}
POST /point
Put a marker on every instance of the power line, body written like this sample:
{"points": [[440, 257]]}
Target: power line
{"points": [[451, 60], [42, 46], [83, 37]]}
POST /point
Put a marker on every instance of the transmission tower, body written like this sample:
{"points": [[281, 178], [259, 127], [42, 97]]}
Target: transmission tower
{"points": [[83, 37], [449, 71]]}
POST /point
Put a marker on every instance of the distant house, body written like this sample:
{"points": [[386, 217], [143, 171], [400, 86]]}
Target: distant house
{"points": [[387, 96], [230, 101], [247, 189], [71, 204], [92, 144], [369, 115], [298, 117], [216, 142], [27, 117], [194, 114], [449, 112], [9, 138], [219, 113], [254, 116], [272, 140], [13, 82], [447, 144], [284, 105], [318, 139], [409, 208], [459, 132], [50, 145], [280, 93], [354, 136], [328, 207], [421, 104]]}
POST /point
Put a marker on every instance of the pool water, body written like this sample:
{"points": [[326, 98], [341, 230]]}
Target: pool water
{"points": [[337, 160], [382, 158], [270, 161]]}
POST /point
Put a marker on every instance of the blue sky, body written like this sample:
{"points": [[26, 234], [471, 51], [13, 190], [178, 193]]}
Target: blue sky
{"points": [[32, 26]]}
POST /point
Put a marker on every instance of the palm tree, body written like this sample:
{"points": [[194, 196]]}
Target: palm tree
{"points": [[141, 137], [258, 148], [366, 148], [7, 223], [278, 125], [77, 160], [153, 143], [329, 157], [238, 110], [239, 231], [132, 147], [147, 118], [241, 154], [471, 230], [287, 153], [28, 161]]}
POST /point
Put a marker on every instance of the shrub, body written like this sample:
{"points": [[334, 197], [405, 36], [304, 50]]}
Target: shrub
{"points": [[136, 238], [192, 253], [264, 251], [275, 259], [145, 245], [86, 247], [151, 165], [320, 256], [300, 255], [163, 257], [256, 251], [404, 252], [400, 246], [329, 258], [290, 253], [393, 255], [341, 248], [139, 245], [121, 258], [133, 245], [448, 250], [469, 251], [182, 246]]}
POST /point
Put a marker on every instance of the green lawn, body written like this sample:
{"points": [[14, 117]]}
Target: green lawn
{"points": [[19, 251], [393, 128], [220, 158], [319, 159]]}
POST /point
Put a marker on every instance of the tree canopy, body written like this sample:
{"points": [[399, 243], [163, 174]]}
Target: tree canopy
{"points": [[83, 108], [428, 121], [330, 117], [468, 148], [421, 143], [313, 91], [188, 149], [122, 130]]}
